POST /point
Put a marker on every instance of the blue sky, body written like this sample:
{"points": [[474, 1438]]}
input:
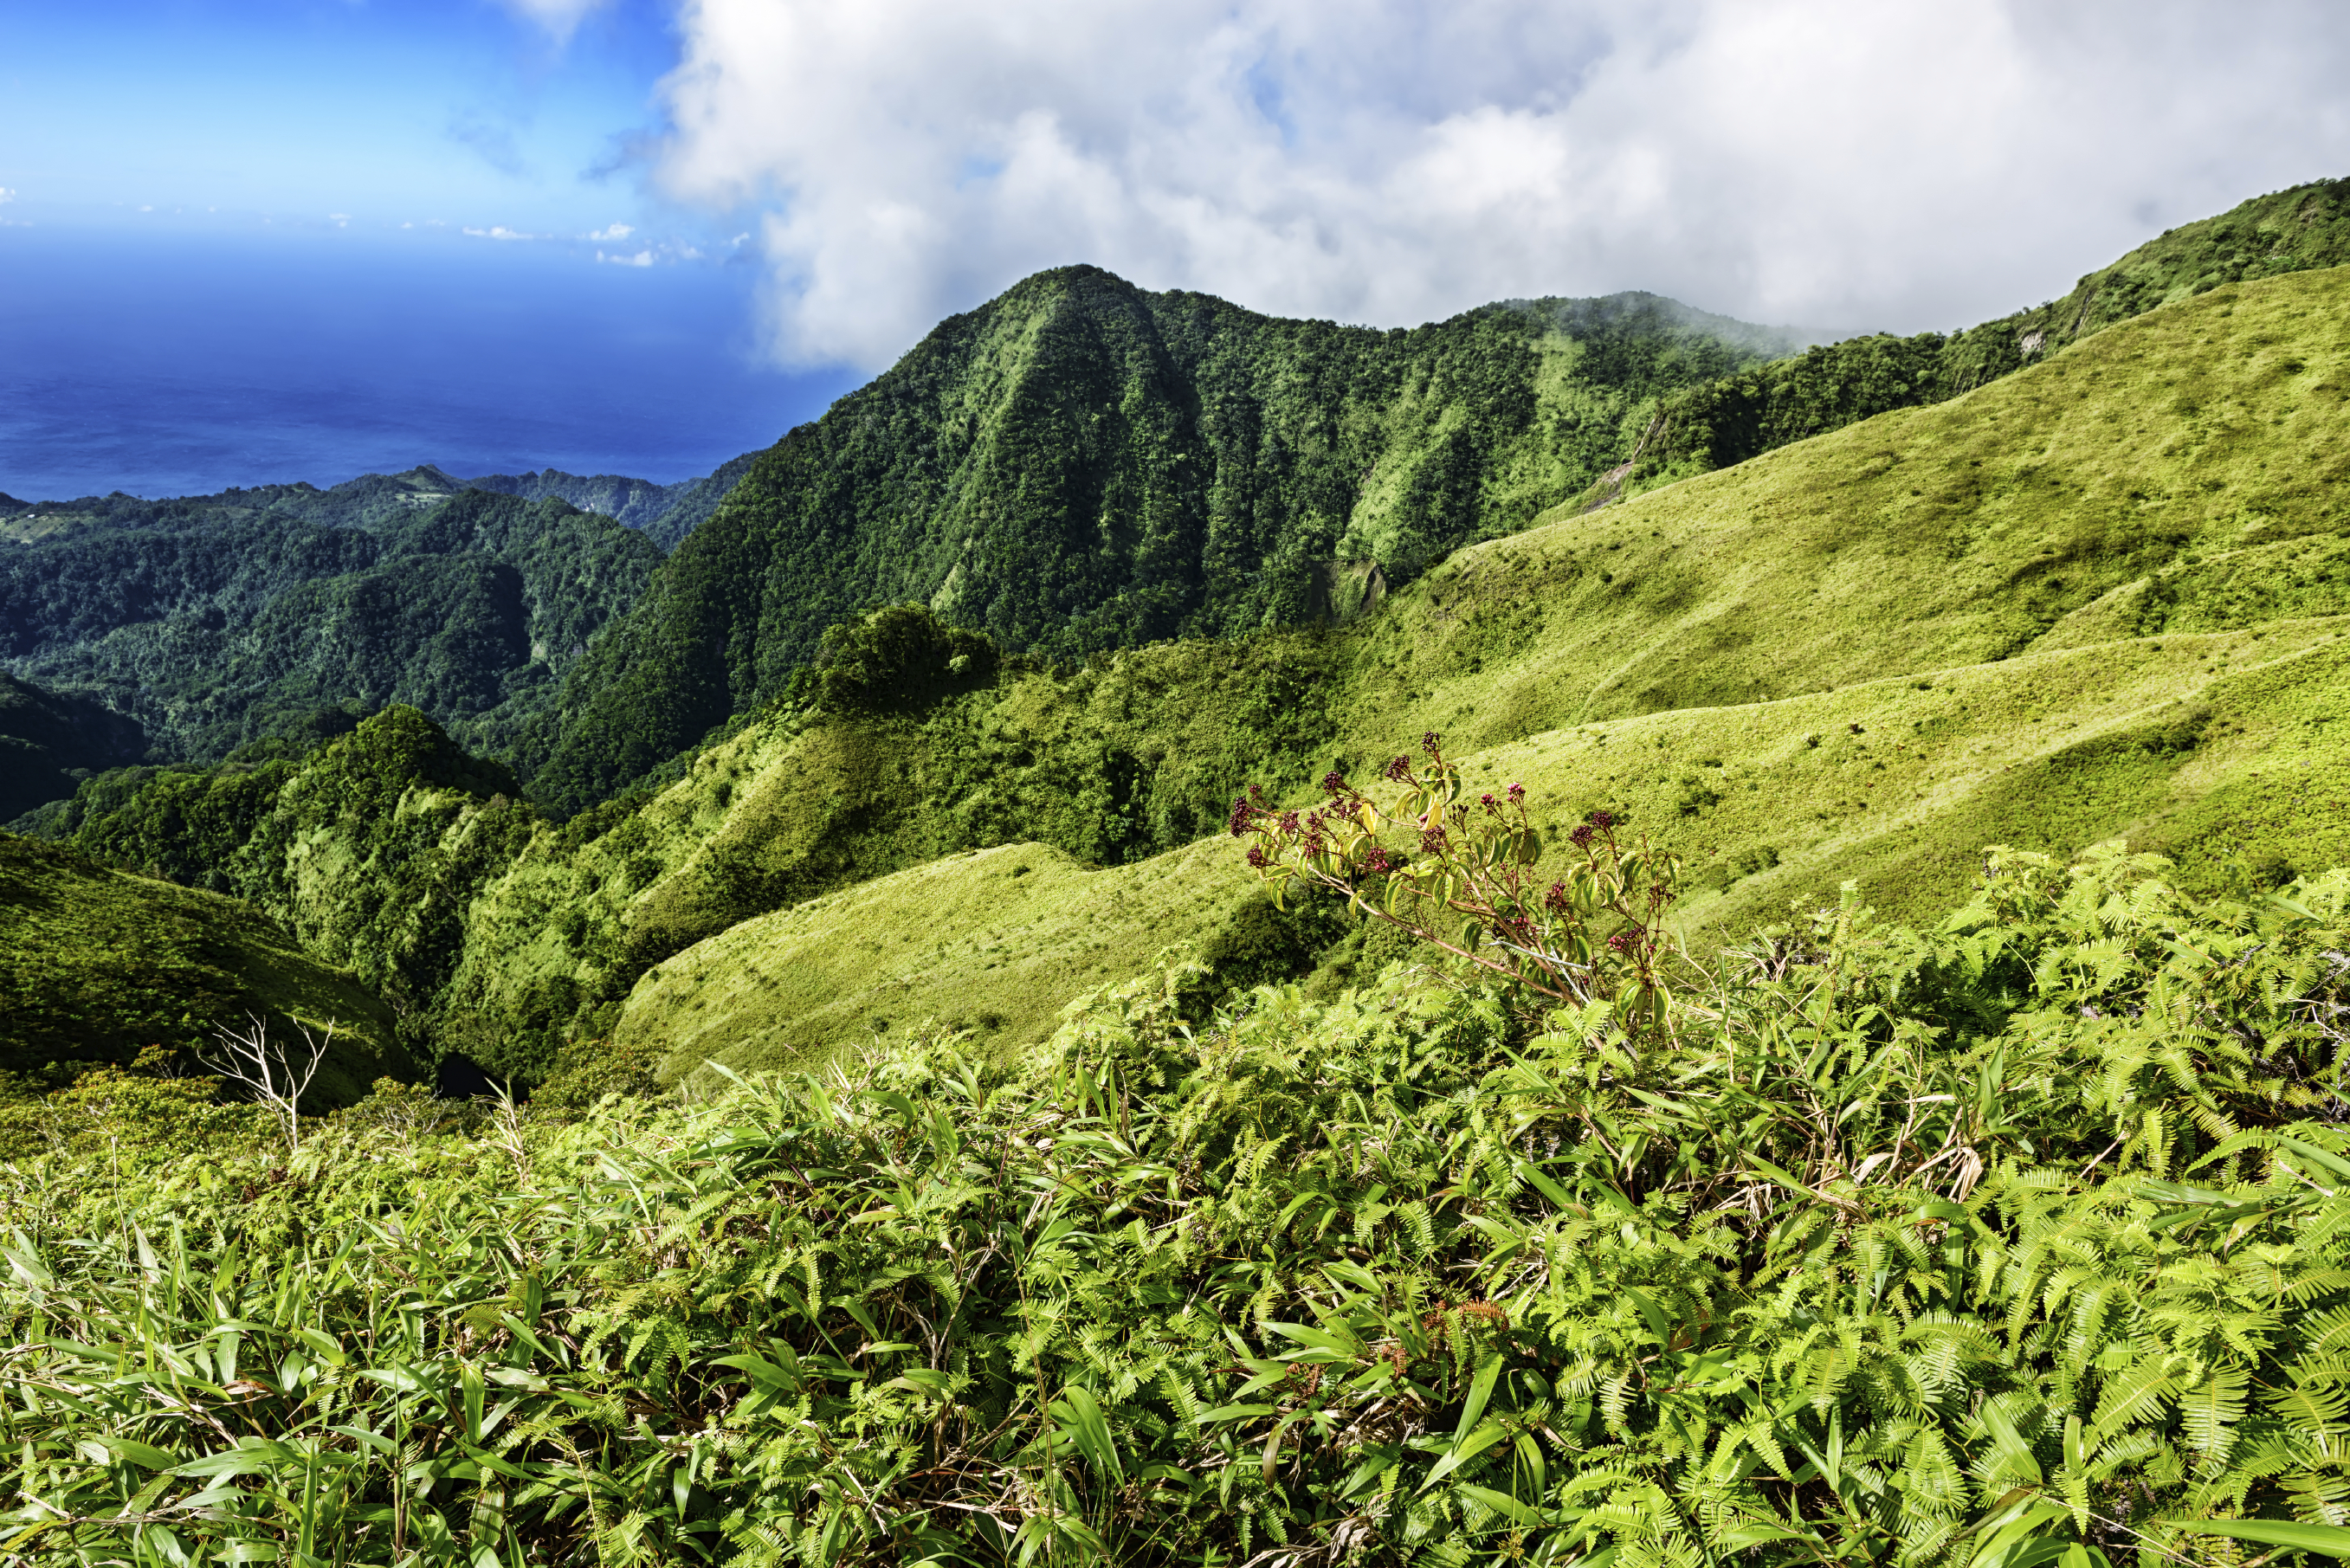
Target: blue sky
{"points": [[801, 188], [220, 116], [269, 241]]}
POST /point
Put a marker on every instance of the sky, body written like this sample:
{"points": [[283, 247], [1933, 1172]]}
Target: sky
{"points": [[640, 235]]}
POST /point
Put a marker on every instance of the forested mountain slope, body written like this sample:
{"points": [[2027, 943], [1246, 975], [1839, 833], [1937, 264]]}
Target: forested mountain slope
{"points": [[96, 965], [662, 513], [1081, 464], [48, 742], [214, 621], [2102, 597]]}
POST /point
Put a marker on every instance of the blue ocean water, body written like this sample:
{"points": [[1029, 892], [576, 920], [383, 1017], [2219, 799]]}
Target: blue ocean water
{"points": [[185, 366]]}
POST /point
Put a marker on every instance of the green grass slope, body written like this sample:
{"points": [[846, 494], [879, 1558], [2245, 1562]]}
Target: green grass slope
{"points": [[96, 964], [994, 940], [2103, 599], [2182, 470]]}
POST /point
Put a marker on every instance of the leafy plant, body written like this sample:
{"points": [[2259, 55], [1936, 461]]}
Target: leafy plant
{"points": [[1596, 931]]}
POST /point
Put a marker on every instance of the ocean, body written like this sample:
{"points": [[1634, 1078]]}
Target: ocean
{"points": [[182, 367]]}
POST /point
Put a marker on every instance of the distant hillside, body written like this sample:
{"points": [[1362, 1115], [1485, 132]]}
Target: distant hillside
{"points": [[216, 621], [662, 513], [1082, 464]]}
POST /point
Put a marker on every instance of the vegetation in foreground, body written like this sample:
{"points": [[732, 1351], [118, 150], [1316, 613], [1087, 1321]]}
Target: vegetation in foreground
{"points": [[2000, 1238], [2011, 1242]]}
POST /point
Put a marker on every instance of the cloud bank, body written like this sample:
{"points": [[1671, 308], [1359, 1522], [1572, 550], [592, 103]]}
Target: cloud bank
{"points": [[1842, 163]]}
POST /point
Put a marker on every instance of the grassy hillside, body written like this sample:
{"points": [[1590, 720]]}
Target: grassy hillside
{"points": [[2101, 599], [97, 964], [1080, 464]]}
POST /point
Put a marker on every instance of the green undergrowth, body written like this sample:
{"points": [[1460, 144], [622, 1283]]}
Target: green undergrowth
{"points": [[97, 965], [2010, 1238]]}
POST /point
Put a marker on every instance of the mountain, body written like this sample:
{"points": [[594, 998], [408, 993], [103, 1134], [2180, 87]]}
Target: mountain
{"points": [[216, 621], [662, 513], [2106, 598], [1082, 464], [2102, 597]]}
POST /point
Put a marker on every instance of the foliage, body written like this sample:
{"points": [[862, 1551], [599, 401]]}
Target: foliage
{"points": [[1597, 933], [1974, 1245]]}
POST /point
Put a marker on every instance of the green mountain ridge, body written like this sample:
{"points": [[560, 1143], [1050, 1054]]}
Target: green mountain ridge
{"points": [[1076, 465], [662, 513], [1081, 464]]}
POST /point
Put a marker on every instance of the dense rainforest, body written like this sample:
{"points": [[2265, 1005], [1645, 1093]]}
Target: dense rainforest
{"points": [[217, 623], [1793, 1015]]}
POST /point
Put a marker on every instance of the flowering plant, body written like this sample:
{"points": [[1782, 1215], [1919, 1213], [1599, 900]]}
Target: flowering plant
{"points": [[1469, 881]]}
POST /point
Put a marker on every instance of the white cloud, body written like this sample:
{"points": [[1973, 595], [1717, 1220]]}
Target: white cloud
{"points": [[643, 258], [7, 195], [340, 220], [498, 232], [1837, 163], [612, 232], [561, 18]]}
